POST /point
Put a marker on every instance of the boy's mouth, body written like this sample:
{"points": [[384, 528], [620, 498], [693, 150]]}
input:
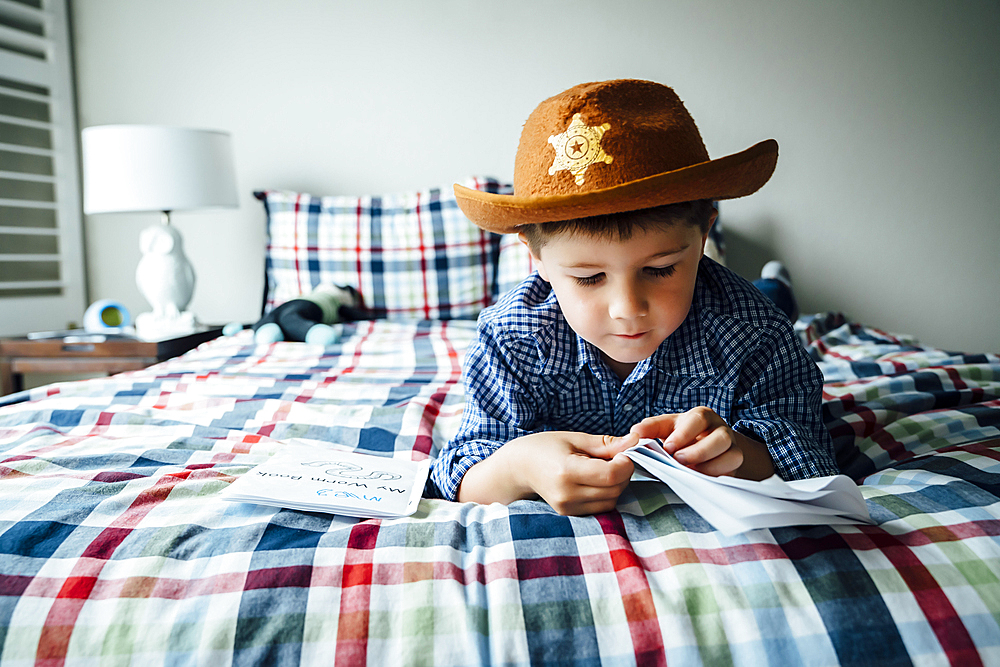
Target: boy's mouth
{"points": [[634, 336]]}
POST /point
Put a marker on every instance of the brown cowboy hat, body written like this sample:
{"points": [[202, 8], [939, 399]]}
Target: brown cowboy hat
{"points": [[609, 147]]}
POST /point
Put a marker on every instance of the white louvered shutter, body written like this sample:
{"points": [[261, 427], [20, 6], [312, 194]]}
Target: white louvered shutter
{"points": [[41, 250]]}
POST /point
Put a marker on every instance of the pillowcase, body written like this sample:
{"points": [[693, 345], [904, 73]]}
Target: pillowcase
{"points": [[411, 255]]}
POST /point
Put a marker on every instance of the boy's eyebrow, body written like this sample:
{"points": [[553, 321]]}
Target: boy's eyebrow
{"points": [[667, 253], [595, 265]]}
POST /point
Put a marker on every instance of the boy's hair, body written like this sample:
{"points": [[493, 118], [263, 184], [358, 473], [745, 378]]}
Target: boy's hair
{"points": [[621, 226]]}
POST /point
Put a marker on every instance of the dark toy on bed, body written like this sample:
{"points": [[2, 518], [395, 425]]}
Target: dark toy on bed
{"points": [[309, 318]]}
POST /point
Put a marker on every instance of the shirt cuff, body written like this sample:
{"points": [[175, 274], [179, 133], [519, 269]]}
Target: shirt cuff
{"points": [[793, 455], [451, 465]]}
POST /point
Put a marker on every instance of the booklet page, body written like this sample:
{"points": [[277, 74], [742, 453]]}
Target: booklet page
{"points": [[321, 480], [734, 505]]}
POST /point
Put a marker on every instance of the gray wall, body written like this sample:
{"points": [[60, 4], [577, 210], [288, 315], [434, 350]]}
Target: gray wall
{"points": [[884, 204]]}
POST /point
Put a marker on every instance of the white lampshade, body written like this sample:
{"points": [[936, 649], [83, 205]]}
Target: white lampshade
{"points": [[156, 168]]}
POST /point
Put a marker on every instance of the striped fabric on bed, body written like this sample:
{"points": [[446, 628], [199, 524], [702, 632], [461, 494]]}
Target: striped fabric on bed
{"points": [[115, 548]]}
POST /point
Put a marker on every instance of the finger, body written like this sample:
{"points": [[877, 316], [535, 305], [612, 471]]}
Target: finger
{"points": [[620, 470], [576, 500], [714, 443], [659, 426], [599, 473], [604, 446], [688, 427], [598, 493], [726, 464], [617, 445]]}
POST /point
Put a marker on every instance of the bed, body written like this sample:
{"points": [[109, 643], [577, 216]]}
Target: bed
{"points": [[115, 548]]}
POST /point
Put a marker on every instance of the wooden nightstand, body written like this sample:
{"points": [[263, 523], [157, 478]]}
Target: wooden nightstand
{"points": [[53, 355]]}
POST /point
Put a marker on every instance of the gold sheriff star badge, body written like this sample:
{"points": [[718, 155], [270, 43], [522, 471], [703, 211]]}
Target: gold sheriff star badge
{"points": [[578, 147]]}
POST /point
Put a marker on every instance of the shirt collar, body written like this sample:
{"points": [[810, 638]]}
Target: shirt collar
{"points": [[685, 352]]}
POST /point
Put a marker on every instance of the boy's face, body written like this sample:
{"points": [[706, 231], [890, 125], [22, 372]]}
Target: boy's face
{"points": [[624, 297]]}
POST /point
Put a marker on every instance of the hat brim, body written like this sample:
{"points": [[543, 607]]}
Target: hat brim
{"points": [[736, 175]]}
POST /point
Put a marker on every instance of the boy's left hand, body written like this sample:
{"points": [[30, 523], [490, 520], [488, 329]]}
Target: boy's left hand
{"points": [[701, 439]]}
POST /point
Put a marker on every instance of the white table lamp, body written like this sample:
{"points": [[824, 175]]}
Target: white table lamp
{"points": [[132, 168]]}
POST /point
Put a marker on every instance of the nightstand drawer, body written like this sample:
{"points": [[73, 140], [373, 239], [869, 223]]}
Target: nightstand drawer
{"points": [[108, 365]]}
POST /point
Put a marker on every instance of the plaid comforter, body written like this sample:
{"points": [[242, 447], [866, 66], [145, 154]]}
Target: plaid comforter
{"points": [[116, 550]]}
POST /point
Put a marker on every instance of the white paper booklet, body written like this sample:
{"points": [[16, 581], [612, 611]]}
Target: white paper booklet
{"points": [[321, 480], [735, 506]]}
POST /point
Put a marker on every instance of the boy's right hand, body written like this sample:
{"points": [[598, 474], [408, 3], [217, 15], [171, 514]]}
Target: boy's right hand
{"points": [[575, 473]]}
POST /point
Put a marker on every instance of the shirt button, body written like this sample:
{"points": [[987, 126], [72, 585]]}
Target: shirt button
{"points": [[627, 407]]}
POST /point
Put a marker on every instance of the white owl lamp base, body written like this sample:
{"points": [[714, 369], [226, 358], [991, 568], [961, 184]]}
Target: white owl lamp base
{"points": [[165, 278], [152, 327]]}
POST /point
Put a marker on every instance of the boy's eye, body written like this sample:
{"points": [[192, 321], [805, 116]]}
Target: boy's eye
{"points": [[586, 281], [661, 271]]}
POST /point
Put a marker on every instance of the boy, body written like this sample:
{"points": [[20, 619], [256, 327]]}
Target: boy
{"points": [[625, 331]]}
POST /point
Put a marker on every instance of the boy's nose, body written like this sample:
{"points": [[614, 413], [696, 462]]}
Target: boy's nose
{"points": [[629, 302]]}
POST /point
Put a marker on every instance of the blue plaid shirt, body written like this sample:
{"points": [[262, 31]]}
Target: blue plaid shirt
{"points": [[528, 371]]}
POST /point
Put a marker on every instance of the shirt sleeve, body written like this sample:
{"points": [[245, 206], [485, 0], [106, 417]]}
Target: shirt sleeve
{"points": [[781, 406], [498, 408]]}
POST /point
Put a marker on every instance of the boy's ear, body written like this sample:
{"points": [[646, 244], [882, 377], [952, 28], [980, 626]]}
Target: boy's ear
{"points": [[524, 239], [535, 259], [711, 221]]}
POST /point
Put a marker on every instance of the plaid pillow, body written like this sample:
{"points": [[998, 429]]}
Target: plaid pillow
{"points": [[514, 263], [411, 256]]}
